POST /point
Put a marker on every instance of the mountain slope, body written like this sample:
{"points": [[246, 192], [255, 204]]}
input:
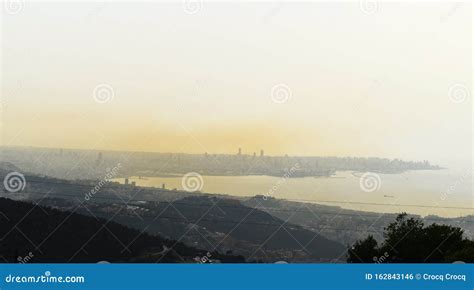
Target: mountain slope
{"points": [[51, 235], [224, 225]]}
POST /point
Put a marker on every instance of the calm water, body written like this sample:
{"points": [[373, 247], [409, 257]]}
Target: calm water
{"points": [[437, 188]]}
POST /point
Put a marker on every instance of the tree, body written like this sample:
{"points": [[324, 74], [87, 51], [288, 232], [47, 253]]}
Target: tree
{"points": [[407, 240], [364, 251]]}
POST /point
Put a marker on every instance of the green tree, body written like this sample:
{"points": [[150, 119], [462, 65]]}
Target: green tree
{"points": [[364, 251], [407, 240]]}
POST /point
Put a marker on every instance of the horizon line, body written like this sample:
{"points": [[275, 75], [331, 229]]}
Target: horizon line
{"points": [[185, 153]]}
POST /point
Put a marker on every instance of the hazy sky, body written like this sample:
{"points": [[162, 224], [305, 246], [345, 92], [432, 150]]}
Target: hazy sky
{"points": [[183, 80]]}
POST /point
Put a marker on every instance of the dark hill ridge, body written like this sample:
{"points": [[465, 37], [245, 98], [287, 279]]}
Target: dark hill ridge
{"points": [[237, 229], [70, 237], [250, 224], [225, 225]]}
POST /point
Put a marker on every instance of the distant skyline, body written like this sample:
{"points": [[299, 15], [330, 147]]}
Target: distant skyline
{"points": [[236, 152], [383, 84]]}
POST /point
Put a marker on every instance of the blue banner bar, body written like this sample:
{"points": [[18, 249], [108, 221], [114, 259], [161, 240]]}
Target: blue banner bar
{"points": [[236, 276]]}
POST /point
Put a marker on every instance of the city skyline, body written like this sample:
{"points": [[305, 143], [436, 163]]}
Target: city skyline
{"points": [[255, 132], [121, 77]]}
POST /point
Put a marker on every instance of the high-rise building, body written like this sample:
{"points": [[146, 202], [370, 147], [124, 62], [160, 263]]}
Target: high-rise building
{"points": [[99, 159], [240, 151], [261, 153]]}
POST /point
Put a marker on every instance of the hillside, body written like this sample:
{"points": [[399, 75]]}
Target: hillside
{"points": [[344, 225], [220, 224], [48, 235]]}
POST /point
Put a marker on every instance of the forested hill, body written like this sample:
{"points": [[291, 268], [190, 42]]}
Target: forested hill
{"points": [[44, 235]]}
